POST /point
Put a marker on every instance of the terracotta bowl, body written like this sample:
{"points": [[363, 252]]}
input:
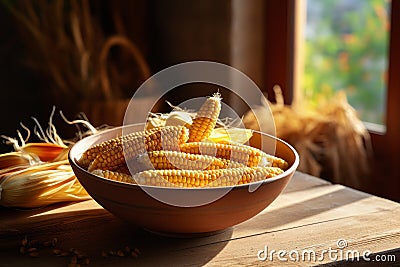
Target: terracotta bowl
{"points": [[132, 203]]}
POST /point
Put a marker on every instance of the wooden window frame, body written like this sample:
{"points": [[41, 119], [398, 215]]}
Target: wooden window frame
{"points": [[283, 66], [387, 146]]}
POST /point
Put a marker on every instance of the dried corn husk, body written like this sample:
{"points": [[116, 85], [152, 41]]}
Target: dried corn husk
{"points": [[15, 161], [40, 185], [230, 135], [38, 174], [178, 118], [330, 138], [45, 151]]}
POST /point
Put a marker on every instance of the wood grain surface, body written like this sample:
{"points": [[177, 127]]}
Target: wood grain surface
{"points": [[311, 214]]}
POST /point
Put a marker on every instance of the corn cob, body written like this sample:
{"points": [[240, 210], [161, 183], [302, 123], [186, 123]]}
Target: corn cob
{"points": [[163, 160], [168, 138], [205, 120], [89, 155], [247, 155], [275, 161], [115, 176], [123, 169], [210, 178]]}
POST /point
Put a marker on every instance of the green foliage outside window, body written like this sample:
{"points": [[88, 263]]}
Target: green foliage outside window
{"points": [[346, 49]]}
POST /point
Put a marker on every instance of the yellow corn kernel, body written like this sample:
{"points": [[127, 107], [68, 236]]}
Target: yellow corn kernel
{"points": [[210, 178], [115, 176], [206, 119], [123, 169], [162, 160], [275, 161], [247, 155], [168, 138], [89, 155]]}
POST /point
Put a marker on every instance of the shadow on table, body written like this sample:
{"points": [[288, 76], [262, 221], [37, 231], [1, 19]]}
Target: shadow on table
{"points": [[95, 232], [301, 181], [197, 251], [286, 216]]}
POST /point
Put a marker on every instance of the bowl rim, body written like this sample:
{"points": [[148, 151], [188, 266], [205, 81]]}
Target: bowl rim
{"points": [[292, 168]]}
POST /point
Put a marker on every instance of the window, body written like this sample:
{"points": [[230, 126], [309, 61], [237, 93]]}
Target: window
{"points": [[346, 49], [285, 24], [383, 101]]}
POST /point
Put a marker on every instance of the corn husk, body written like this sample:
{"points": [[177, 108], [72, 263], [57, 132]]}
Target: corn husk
{"points": [[45, 151], [38, 174], [331, 140], [178, 118], [40, 185], [230, 135], [14, 161]]}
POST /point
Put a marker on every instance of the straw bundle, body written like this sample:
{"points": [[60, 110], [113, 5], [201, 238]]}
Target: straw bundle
{"points": [[331, 140]]}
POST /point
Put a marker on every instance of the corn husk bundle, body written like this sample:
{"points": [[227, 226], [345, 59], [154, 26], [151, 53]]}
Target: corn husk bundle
{"points": [[38, 174], [331, 140]]}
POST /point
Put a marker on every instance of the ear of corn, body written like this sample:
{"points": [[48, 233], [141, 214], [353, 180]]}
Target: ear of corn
{"points": [[163, 160], [115, 176], [168, 138], [89, 155], [247, 155], [275, 161], [123, 169], [209, 178], [205, 120]]}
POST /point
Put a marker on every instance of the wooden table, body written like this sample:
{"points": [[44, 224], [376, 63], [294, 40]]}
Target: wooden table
{"points": [[311, 215]]}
